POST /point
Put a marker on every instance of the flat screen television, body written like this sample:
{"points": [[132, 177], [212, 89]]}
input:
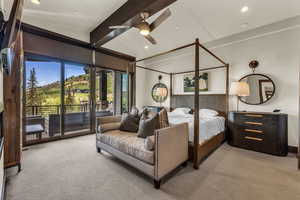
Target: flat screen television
{"points": [[10, 34]]}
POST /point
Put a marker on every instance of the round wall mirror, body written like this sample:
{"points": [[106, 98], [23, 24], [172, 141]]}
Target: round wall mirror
{"points": [[159, 92], [262, 89]]}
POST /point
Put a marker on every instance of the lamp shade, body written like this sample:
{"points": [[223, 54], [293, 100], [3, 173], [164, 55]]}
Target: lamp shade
{"points": [[240, 89]]}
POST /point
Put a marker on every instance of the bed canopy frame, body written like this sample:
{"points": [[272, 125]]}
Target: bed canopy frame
{"points": [[197, 69]]}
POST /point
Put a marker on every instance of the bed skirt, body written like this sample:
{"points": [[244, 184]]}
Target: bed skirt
{"points": [[205, 149]]}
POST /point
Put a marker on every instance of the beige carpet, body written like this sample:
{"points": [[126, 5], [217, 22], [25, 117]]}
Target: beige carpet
{"points": [[72, 170]]}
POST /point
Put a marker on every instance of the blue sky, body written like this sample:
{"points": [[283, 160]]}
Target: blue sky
{"points": [[49, 72]]}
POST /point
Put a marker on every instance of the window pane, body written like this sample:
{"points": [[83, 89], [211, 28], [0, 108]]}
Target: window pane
{"points": [[77, 99], [125, 93], [105, 91], [42, 85]]}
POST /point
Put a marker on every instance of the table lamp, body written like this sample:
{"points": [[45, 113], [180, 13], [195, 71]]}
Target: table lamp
{"points": [[239, 89]]}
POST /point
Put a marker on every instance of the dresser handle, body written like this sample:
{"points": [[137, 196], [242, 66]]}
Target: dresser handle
{"points": [[254, 123], [252, 115], [253, 131], [254, 138]]}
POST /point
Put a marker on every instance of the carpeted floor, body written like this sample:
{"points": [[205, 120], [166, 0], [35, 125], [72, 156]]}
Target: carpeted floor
{"points": [[72, 170]]}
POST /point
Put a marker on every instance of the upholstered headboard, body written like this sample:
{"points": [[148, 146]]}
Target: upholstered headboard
{"points": [[210, 101]]}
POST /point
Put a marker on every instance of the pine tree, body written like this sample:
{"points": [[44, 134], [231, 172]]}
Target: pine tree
{"points": [[32, 95]]}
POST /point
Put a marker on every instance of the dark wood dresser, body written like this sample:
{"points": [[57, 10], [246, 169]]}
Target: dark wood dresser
{"points": [[262, 132]]}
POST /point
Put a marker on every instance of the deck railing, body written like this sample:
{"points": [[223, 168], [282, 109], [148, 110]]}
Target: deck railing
{"points": [[45, 110]]}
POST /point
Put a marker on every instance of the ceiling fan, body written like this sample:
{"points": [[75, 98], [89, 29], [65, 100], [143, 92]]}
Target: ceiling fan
{"points": [[144, 27]]}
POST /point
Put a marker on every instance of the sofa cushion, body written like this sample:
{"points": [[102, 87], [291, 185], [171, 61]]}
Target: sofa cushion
{"points": [[128, 143]]}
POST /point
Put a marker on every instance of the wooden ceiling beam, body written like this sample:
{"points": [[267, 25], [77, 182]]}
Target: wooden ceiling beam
{"points": [[126, 14]]}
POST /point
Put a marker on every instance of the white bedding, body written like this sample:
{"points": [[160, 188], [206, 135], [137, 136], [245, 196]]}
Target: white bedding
{"points": [[209, 126]]}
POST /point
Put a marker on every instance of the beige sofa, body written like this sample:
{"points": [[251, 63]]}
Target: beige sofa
{"points": [[170, 148]]}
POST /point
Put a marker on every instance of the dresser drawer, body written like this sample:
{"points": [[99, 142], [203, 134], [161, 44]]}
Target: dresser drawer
{"points": [[253, 143], [250, 119]]}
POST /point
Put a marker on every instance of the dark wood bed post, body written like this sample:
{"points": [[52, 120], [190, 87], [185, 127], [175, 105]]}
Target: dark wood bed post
{"points": [[227, 89], [196, 105], [171, 90]]}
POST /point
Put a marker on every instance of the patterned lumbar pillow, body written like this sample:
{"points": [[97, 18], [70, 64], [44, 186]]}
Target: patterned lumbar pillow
{"points": [[147, 126], [163, 119]]}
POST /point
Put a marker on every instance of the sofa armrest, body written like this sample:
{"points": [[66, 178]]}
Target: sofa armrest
{"points": [[171, 149], [108, 123]]}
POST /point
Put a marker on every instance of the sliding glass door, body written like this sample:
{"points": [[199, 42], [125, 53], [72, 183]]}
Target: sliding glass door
{"points": [[42, 96], [58, 98], [76, 99]]}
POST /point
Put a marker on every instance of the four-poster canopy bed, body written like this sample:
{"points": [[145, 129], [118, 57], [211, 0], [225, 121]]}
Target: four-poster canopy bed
{"points": [[198, 152]]}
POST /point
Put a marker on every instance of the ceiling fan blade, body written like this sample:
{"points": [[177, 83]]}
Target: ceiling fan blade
{"points": [[160, 19], [150, 39], [117, 27]]}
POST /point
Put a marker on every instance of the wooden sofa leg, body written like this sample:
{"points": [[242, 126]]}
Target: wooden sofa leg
{"points": [[157, 184], [98, 150]]}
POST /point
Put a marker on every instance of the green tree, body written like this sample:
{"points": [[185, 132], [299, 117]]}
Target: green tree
{"points": [[32, 93], [70, 100]]}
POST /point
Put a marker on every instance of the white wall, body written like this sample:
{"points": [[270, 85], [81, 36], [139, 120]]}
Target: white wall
{"points": [[278, 54], [145, 81]]}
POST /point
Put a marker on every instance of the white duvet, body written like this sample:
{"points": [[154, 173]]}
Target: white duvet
{"points": [[209, 126]]}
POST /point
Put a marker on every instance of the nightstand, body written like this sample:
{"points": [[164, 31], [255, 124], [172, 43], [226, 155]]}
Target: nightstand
{"points": [[258, 131]]}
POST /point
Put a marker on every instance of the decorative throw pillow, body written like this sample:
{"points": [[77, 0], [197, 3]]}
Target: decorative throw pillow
{"points": [[134, 111], [147, 126], [129, 123], [163, 119], [150, 143], [144, 112]]}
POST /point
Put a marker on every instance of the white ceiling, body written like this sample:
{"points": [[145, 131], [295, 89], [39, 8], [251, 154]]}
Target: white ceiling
{"points": [[74, 18], [206, 19]]}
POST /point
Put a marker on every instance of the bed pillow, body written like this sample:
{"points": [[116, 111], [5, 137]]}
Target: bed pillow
{"points": [[182, 110], [208, 113], [147, 126], [129, 123]]}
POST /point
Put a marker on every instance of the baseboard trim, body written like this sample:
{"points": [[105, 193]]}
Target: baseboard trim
{"points": [[293, 149]]}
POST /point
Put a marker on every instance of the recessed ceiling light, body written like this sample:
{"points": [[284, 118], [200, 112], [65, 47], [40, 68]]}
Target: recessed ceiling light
{"points": [[176, 27], [146, 47], [38, 2], [244, 9], [244, 25]]}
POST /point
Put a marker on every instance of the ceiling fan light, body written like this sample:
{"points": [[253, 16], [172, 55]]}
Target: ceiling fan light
{"points": [[145, 32], [36, 1]]}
